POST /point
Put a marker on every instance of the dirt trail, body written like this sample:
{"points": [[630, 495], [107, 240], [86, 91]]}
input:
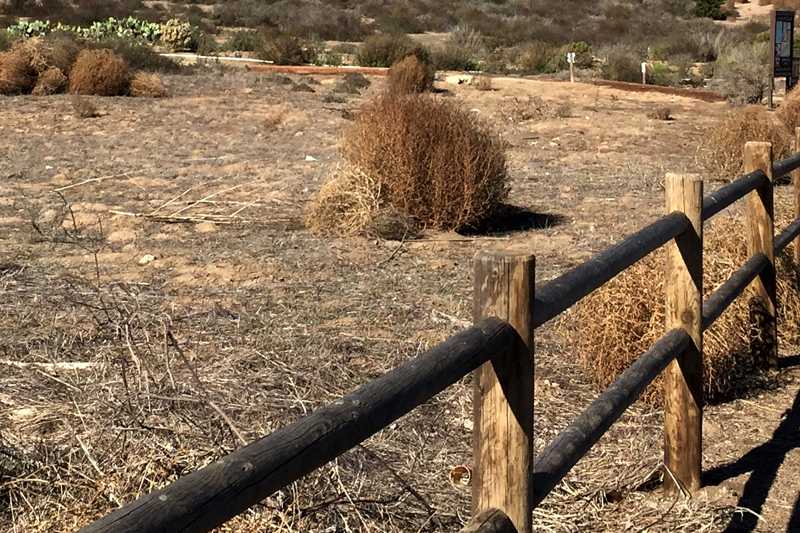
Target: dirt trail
{"points": [[750, 12]]}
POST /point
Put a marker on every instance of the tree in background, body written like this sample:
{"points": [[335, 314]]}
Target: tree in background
{"points": [[710, 9]]}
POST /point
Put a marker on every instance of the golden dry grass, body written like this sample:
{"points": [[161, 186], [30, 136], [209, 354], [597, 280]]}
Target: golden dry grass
{"points": [[54, 51], [482, 83], [146, 84], [721, 150], [410, 75], [17, 76], [346, 203], [51, 81], [789, 110], [99, 72], [613, 326], [434, 161]]}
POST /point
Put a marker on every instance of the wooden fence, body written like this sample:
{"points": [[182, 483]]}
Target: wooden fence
{"points": [[507, 483]]}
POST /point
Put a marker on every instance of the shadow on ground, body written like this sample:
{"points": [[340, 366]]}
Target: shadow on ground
{"points": [[763, 463], [511, 218]]}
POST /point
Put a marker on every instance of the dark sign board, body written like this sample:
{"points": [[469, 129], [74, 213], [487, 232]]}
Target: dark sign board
{"points": [[782, 43]]}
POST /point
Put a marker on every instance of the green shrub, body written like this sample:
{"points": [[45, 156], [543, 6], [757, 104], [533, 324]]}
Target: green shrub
{"points": [[139, 56], [5, 40], [283, 49], [345, 48], [710, 9], [467, 39], [535, 57], [128, 27], [243, 41], [206, 45], [178, 35], [400, 19], [622, 63], [327, 58], [663, 74], [583, 56], [742, 72], [383, 50], [243, 13], [453, 57], [313, 19]]}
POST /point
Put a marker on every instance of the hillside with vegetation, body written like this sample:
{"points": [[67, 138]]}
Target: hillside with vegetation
{"points": [[680, 40]]}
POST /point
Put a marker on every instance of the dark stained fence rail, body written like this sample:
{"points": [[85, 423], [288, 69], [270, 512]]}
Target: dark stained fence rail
{"points": [[561, 293], [208, 497], [735, 190], [787, 236], [572, 444], [785, 166], [720, 299]]}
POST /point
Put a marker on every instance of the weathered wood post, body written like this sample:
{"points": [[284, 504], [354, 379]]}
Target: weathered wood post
{"points": [[490, 521], [503, 391], [796, 186], [760, 232], [683, 378]]}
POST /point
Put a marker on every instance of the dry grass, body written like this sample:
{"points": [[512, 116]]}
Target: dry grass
{"points": [[789, 110], [83, 107], [99, 72], [54, 51], [518, 110], [346, 204], [17, 76], [146, 84], [620, 321], [51, 81], [660, 113], [482, 83], [721, 150], [410, 75], [434, 161]]}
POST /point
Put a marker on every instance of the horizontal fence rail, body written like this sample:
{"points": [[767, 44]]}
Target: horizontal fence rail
{"points": [[561, 293], [785, 166], [735, 190], [208, 497], [724, 296], [787, 236], [572, 444]]}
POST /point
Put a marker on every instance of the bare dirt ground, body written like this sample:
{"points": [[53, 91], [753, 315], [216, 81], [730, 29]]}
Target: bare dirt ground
{"points": [[185, 215], [750, 12]]}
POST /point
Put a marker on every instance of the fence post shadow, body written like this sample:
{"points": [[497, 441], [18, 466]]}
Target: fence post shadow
{"points": [[763, 463], [794, 520]]}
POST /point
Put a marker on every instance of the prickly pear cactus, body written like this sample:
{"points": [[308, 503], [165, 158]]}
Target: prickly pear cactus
{"points": [[177, 35]]}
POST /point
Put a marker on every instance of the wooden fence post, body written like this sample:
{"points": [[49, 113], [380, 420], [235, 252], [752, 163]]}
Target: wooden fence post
{"points": [[503, 391], [760, 239], [796, 185], [683, 378]]}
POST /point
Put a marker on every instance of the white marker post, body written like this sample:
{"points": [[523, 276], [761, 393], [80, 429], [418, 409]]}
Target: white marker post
{"points": [[571, 61], [644, 73]]}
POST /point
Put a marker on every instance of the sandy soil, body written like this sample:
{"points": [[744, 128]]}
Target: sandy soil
{"points": [[750, 12], [186, 214]]}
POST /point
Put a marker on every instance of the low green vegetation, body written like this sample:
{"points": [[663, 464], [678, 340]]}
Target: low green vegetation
{"points": [[128, 27]]}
